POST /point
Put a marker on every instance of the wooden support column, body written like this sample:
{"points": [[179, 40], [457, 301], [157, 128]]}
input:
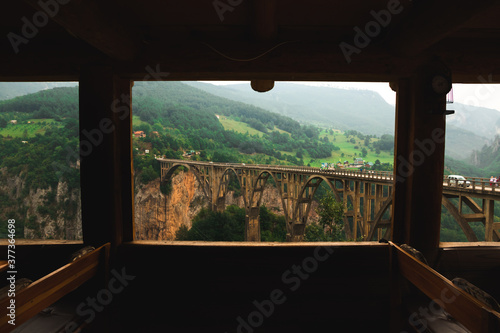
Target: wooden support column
{"points": [[419, 157], [106, 157]]}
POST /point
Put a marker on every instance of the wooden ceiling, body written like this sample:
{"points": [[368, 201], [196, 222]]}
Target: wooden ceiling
{"points": [[249, 39]]}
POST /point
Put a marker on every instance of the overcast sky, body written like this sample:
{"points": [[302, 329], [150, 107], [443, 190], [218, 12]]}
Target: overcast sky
{"points": [[485, 95]]}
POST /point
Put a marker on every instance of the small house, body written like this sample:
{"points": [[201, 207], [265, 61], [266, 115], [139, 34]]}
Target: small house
{"points": [[139, 134], [358, 161]]}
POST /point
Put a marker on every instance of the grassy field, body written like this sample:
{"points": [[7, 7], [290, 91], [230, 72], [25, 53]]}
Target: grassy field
{"points": [[337, 138], [230, 124], [136, 121], [346, 147], [25, 130]]}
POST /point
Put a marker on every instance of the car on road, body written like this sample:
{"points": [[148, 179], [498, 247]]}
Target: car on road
{"points": [[457, 180]]}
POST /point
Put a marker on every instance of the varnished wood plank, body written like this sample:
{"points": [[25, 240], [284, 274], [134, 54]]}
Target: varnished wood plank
{"points": [[463, 307], [53, 286]]}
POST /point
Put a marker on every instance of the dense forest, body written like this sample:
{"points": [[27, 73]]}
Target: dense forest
{"points": [[42, 148]]}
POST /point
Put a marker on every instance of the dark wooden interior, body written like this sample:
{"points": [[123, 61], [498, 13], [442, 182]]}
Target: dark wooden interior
{"points": [[106, 45]]}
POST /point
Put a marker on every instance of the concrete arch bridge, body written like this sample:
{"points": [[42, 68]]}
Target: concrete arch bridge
{"points": [[366, 196]]}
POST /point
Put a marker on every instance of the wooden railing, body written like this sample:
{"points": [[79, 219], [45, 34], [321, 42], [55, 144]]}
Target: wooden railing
{"points": [[471, 313], [50, 288]]}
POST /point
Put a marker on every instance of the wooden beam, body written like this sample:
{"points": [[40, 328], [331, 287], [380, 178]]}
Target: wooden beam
{"points": [[400, 207], [292, 61], [106, 161], [90, 21], [265, 25], [419, 159], [431, 21], [474, 217], [472, 204], [123, 160]]}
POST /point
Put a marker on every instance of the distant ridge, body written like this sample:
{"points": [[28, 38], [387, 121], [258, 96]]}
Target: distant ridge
{"points": [[361, 110], [324, 106], [9, 90]]}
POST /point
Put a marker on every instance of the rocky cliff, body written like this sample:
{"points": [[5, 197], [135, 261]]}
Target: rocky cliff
{"points": [[158, 216], [51, 213]]}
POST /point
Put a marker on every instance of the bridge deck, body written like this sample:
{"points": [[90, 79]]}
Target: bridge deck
{"points": [[478, 187]]}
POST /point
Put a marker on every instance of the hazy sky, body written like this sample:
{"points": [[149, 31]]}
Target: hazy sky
{"points": [[485, 95]]}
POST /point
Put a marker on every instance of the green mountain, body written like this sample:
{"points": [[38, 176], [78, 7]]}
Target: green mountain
{"points": [[483, 122], [460, 143], [361, 110]]}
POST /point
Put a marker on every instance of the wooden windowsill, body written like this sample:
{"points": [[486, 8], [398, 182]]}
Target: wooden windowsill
{"points": [[5, 241], [251, 244], [468, 244]]}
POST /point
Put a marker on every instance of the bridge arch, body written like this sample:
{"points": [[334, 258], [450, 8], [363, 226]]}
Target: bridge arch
{"points": [[205, 185], [296, 217], [264, 176], [222, 188]]}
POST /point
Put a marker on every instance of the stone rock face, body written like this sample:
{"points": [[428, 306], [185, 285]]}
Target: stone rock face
{"points": [[55, 218], [158, 216]]}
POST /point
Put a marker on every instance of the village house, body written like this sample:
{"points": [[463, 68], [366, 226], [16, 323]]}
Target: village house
{"points": [[139, 134]]}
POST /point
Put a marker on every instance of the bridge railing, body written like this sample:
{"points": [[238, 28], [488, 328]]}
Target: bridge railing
{"points": [[473, 183]]}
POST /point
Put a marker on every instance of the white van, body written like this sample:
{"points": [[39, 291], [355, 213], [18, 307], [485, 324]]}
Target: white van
{"points": [[456, 180]]}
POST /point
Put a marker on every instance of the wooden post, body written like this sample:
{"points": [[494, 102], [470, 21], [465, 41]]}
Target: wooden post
{"points": [[106, 157], [419, 157]]}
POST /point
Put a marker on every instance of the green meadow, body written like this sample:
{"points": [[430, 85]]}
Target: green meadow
{"points": [[28, 130]]}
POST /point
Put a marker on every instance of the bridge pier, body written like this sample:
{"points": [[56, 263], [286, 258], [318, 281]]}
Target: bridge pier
{"points": [[220, 204], [491, 228], [252, 224]]}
